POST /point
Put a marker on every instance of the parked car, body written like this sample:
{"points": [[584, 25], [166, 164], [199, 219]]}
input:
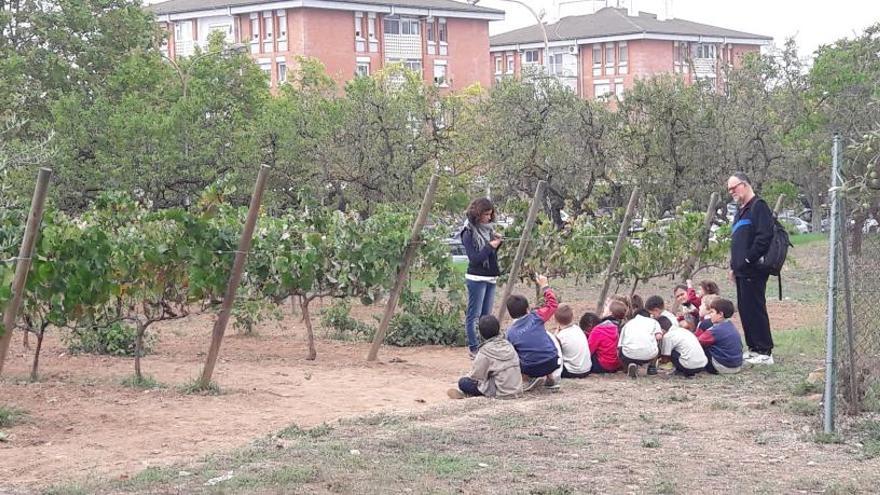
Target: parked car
{"points": [[456, 250], [795, 224]]}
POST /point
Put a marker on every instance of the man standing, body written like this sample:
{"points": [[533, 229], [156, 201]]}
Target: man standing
{"points": [[751, 237]]}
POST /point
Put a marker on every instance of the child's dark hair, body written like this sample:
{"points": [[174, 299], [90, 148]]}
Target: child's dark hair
{"points": [[477, 208], [664, 322], [636, 306], [517, 306], [723, 306], [709, 287], [564, 314], [589, 320], [680, 287], [489, 326], [655, 302]]}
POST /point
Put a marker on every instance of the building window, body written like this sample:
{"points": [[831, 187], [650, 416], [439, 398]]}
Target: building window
{"points": [[398, 25], [266, 67], [282, 72], [622, 57], [510, 64], [255, 28], [706, 50], [391, 25], [498, 65], [431, 37], [268, 31], [362, 69], [597, 60], [371, 25], [609, 58], [556, 64], [531, 56], [618, 91], [601, 91], [409, 26], [358, 25], [282, 31], [443, 34], [440, 74]]}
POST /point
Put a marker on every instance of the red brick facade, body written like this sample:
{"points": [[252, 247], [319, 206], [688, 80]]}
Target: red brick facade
{"points": [[347, 41]]}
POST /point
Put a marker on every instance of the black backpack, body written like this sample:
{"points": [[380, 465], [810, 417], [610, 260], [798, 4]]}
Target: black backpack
{"points": [[773, 260]]}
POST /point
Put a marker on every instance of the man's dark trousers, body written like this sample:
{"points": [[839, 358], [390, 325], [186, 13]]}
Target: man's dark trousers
{"points": [[751, 302]]}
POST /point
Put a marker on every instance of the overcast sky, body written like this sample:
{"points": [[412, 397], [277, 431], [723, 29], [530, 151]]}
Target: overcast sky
{"points": [[811, 22]]}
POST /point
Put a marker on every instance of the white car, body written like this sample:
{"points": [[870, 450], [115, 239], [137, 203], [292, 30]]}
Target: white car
{"points": [[456, 250], [796, 224]]}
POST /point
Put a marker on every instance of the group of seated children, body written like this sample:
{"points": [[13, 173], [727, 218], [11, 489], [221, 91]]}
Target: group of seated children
{"points": [[630, 334]]}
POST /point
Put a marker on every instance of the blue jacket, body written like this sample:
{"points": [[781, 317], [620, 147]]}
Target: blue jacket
{"points": [[751, 237], [531, 340], [727, 348], [483, 262]]}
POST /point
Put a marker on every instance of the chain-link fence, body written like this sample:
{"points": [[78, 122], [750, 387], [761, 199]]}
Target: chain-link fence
{"points": [[854, 308]]}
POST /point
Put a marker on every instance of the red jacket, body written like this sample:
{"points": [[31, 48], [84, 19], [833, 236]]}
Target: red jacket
{"points": [[603, 345]]}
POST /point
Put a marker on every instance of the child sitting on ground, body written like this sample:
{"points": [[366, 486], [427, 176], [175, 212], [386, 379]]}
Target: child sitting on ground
{"points": [[574, 349], [705, 323], [538, 357], [686, 299], [638, 345], [495, 371], [588, 321], [682, 348], [656, 306], [722, 342], [603, 339]]}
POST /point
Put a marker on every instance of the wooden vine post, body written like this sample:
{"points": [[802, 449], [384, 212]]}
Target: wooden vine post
{"points": [[244, 245], [521, 248], [691, 263], [409, 256], [618, 247], [23, 262], [779, 202]]}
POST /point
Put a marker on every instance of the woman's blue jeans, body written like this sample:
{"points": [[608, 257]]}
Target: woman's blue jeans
{"points": [[481, 297]]}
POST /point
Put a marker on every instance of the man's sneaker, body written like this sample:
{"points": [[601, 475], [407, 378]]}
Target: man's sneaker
{"points": [[652, 370], [760, 359], [472, 355], [455, 393], [632, 370], [533, 382], [749, 354]]}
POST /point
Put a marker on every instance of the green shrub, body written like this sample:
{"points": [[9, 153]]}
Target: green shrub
{"points": [[342, 326], [428, 323], [115, 339]]}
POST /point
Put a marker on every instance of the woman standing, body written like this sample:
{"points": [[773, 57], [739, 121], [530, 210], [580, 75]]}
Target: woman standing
{"points": [[481, 244]]}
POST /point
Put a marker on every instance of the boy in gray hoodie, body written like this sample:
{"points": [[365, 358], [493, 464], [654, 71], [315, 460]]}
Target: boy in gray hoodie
{"points": [[495, 371]]}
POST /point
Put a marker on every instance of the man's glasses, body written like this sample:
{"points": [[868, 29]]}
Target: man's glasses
{"points": [[733, 187]]}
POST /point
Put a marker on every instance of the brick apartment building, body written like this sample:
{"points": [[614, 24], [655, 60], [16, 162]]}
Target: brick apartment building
{"points": [[448, 41], [602, 54]]}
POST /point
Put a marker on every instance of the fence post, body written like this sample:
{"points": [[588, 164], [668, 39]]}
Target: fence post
{"points": [[691, 262], [618, 247], [779, 202], [23, 264], [830, 397], [408, 256], [244, 245], [521, 248]]}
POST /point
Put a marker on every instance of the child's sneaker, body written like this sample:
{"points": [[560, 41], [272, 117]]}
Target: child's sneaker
{"points": [[652, 369], [455, 393], [551, 384], [533, 382], [632, 370]]}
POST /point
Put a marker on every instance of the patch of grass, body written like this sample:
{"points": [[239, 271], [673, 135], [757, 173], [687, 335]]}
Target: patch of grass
{"points": [[869, 433], [278, 476], [803, 407], [294, 431], [804, 239], [150, 476], [195, 387], [807, 341], [10, 416], [722, 405], [827, 438], [666, 487], [651, 443], [513, 420], [67, 489], [443, 465], [804, 387], [646, 417], [676, 397], [144, 382], [551, 490], [671, 427]]}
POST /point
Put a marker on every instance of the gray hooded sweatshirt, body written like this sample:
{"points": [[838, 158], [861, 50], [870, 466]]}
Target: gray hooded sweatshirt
{"points": [[496, 369]]}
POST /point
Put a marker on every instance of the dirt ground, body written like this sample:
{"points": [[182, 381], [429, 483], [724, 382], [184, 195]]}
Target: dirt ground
{"points": [[82, 423]]}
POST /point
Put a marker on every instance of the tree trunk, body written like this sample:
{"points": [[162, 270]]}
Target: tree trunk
{"points": [[35, 366], [304, 305], [26, 339], [139, 349], [815, 209], [635, 286]]}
